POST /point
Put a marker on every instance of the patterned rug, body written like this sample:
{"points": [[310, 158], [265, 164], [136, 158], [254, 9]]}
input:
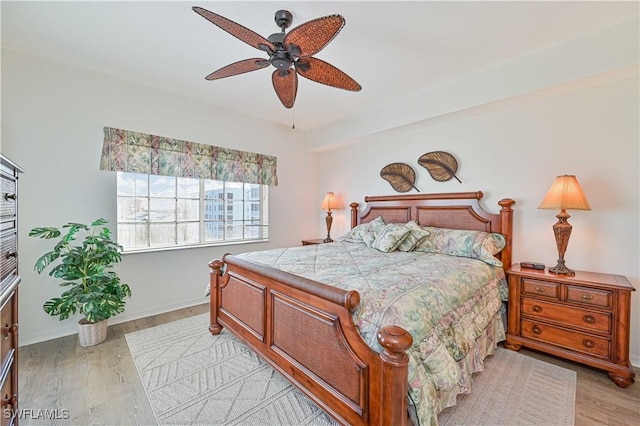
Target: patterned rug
{"points": [[194, 378], [519, 390]]}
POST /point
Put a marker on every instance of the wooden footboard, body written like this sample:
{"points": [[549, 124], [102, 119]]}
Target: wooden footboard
{"points": [[304, 329]]}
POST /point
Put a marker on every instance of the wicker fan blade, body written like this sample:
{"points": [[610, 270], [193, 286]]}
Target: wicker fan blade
{"points": [[311, 37], [322, 72], [285, 83], [236, 30], [400, 175], [239, 67], [441, 165]]}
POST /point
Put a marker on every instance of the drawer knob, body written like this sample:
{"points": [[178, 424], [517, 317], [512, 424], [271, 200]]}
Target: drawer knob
{"points": [[536, 308], [589, 319], [587, 297], [8, 196], [9, 329], [588, 343], [540, 289], [536, 329], [9, 400], [11, 254]]}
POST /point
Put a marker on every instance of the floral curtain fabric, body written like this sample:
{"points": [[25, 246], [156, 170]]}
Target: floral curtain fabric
{"points": [[134, 152]]}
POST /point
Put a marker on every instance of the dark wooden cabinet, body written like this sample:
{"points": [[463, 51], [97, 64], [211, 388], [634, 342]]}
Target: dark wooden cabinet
{"points": [[9, 280], [584, 318]]}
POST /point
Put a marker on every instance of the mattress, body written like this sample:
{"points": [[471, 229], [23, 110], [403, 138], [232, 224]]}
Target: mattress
{"points": [[450, 305]]}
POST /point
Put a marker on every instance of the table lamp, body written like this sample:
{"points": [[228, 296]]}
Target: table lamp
{"points": [[565, 193], [329, 202]]}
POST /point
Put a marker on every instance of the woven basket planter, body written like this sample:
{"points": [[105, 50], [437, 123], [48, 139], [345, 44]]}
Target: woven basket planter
{"points": [[91, 334]]}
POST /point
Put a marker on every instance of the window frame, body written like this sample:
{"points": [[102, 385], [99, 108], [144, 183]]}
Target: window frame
{"points": [[221, 218]]}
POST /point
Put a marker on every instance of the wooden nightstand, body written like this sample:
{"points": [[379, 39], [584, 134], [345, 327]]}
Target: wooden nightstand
{"points": [[313, 241], [584, 318]]}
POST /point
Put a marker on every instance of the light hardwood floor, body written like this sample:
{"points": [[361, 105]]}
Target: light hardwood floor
{"points": [[100, 385]]}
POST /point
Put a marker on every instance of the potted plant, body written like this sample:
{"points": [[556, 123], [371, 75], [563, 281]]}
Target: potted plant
{"points": [[94, 289]]}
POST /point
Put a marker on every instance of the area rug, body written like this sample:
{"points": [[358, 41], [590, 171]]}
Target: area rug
{"points": [[516, 389], [194, 378]]}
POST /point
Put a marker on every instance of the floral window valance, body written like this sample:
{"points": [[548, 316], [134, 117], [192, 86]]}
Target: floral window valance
{"points": [[127, 151]]}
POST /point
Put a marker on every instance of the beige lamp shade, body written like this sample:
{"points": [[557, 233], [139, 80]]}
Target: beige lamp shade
{"points": [[331, 202], [565, 193]]}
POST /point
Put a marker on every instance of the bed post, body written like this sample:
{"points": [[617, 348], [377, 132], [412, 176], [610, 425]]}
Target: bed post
{"points": [[395, 341], [506, 229], [214, 294], [354, 215]]}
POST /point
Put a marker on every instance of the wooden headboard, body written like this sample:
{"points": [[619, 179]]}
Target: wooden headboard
{"points": [[454, 210]]}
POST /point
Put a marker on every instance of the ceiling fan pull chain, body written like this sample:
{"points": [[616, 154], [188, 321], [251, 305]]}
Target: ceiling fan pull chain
{"points": [[293, 111]]}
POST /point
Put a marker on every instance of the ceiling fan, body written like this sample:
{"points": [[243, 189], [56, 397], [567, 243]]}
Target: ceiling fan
{"points": [[291, 54]]}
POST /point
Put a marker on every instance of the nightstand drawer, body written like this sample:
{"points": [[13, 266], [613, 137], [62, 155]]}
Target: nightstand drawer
{"points": [[541, 288], [596, 321], [570, 339], [589, 296]]}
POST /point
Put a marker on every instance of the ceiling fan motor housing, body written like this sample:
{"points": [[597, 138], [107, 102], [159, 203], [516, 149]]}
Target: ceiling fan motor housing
{"points": [[281, 60], [276, 38]]}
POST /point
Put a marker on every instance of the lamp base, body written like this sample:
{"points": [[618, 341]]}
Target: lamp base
{"points": [[329, 221], [561, 269], [562, 232]]}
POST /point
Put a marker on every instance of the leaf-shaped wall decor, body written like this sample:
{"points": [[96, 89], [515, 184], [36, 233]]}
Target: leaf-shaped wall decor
{"points": [[400, 175], [441, 165]]}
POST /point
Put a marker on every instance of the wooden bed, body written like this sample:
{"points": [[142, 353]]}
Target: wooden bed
{"points": [[304, 329]]}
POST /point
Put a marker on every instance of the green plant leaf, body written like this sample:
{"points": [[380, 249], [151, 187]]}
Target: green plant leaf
{"points": [[84, 268], [60, 307], [99, 222], [77, 226], [73, 230], [45, 232], [45, 260]]}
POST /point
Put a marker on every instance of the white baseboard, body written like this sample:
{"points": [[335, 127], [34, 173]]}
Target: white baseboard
{"points": [[71, 327]]}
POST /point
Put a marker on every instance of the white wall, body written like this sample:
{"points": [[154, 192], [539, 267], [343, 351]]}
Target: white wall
{"points": [[606, 54], [516, 152], [569, 108], [583, 121], [52, 120]]}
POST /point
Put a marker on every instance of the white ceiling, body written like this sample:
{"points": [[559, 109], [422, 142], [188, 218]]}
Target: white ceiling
{"points": [[391, 48]]}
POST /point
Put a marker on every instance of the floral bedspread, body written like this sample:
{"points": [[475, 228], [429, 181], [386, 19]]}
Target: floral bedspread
{"points": [[445, 302]]}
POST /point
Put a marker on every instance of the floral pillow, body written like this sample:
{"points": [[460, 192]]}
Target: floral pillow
{"points": [[455, 242], [414, 238], [365, 233], [390, 237]]}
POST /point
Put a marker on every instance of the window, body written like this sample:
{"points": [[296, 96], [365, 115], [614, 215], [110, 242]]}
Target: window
{"points": [[157, 212]]}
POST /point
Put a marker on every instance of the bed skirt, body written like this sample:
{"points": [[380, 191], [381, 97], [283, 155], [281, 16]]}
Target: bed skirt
{"points": [[472, 363]]}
